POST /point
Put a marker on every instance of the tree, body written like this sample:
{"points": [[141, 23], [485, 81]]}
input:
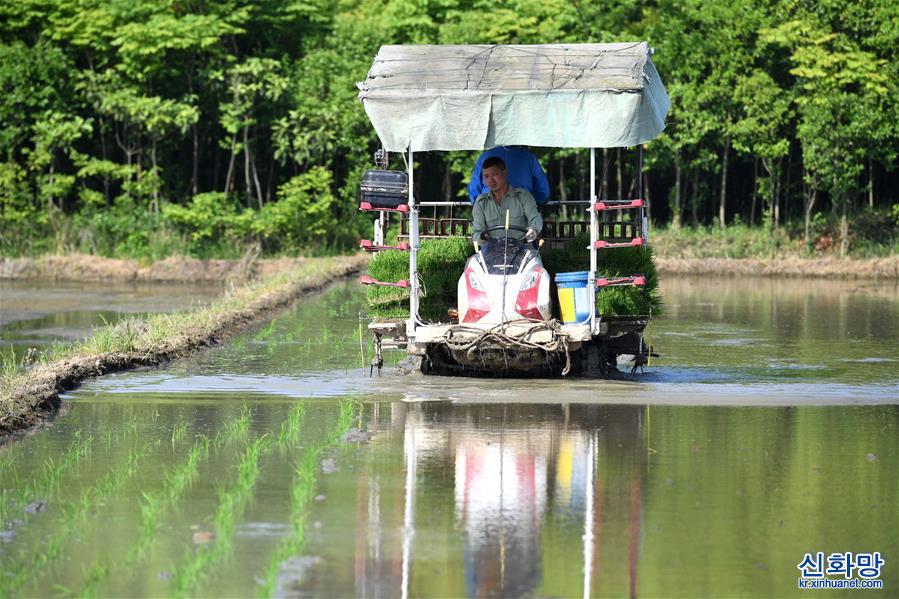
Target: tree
{"points": [[841, 89]]}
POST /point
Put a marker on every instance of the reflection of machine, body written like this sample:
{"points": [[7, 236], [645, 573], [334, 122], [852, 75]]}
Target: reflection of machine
{"points": [[500, 494], [519, 475]]}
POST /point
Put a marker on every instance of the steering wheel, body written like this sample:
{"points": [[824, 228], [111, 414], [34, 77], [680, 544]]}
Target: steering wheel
{"points": [[485, 235]]}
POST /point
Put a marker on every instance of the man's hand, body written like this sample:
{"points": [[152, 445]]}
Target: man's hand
{"points": [[530, 236]]}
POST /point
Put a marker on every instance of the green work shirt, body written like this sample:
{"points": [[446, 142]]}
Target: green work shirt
{"points": [[522, 213]]}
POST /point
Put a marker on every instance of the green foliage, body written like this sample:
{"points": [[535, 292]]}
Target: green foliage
{"points": [[303, 216], [209, 220], [168, 113]]}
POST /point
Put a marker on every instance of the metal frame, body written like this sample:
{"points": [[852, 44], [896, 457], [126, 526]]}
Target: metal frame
{"points": [[414, 241], [591, 277]]}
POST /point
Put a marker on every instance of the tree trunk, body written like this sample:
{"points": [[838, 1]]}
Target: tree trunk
{"points": [[246, 166], [255, 177], [776, 198], [810, 199], [870, 182], [786, 190], [104, 152], [563, 189], [721, 205], [271, 178], [194, 176], [619, 182], [154, 207], [755, 190], [675, 216], [844, 229], [50, 177], [694, 199], [772, 193], [604, 187], [228, 177]]}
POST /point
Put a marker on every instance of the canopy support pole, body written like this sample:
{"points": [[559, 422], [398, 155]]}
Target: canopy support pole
{"points": [[644, 226], [594, 236], [413, 252]]}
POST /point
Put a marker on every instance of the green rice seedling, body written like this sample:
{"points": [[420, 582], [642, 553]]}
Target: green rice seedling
{"points": [[345, 419], [75, 514], [301, 492], [151, 505], [619, 262], [440, 264], [232, 502], [180, 477], [92, 578], [29, 566], [234, 429], [267, 332], [50, 474], [8, 465], [132, 424], [5, 505], [178, 432], [290, 428], [177, 479]]}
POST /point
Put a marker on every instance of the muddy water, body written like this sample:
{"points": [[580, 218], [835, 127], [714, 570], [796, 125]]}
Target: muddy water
{"points": [[768, 429], [34, 314]]}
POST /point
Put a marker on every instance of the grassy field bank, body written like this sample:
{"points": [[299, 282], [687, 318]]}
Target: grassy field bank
{"points": [[757, 251], [29, 395]]}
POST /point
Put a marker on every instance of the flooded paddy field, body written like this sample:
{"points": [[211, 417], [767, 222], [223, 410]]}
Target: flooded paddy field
{"points": [[37, 313], [274, 465]]}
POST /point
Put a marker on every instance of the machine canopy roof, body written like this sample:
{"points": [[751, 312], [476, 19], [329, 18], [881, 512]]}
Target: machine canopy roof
{"points": [[476, 97]]}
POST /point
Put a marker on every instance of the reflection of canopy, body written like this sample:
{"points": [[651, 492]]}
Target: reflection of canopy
{"points": [[475, 97]]}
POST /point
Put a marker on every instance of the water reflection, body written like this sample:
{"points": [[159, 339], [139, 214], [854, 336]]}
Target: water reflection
{"points": [[519, 475]]}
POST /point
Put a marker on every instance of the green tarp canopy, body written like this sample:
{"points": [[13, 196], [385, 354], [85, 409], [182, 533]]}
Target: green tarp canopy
{"points": [[481, 96]]}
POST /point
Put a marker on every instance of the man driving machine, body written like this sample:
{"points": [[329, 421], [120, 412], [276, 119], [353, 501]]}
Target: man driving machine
{"points": [[490, 209]]}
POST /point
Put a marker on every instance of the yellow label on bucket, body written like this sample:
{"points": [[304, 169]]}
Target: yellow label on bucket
{"points": [[566, 303]]}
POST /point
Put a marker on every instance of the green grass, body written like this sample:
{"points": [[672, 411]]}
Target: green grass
{"points": [[147, 335], [872, 234]]}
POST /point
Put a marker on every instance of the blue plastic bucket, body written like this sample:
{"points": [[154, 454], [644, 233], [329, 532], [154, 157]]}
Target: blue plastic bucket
{"points": [[574, 297]]}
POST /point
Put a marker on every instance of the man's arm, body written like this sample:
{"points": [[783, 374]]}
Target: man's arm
{"points": [[479, 222], [539, 182], [535, 221]]}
